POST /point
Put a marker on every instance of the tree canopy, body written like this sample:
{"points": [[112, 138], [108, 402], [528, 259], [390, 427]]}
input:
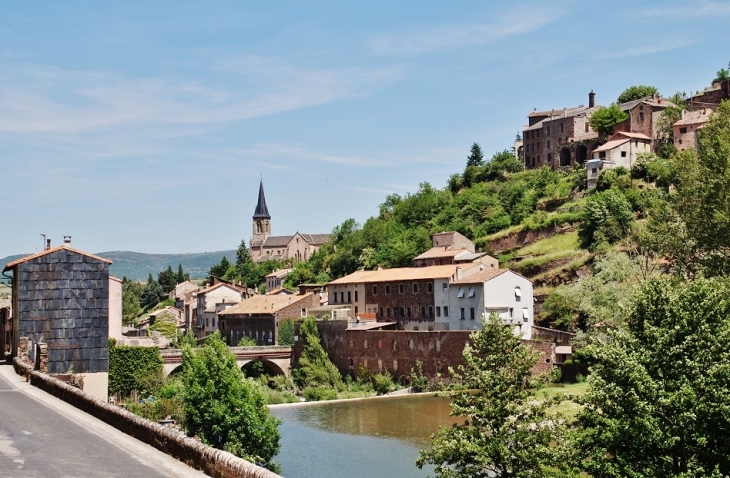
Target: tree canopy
{"points": [[604, 120], [476, 157], [225, 410], [636, 92]]}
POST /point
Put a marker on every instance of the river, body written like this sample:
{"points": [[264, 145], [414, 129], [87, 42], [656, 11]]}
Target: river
{"points": [[377, 437]]}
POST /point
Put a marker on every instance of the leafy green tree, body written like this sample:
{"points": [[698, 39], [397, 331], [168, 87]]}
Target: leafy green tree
{"points": [[180, 275], [607, 218], [506, 432], [476, 157], [225, 410], [659, 391], [286, 332], [503, 162], [131, 300], [604, 120], [166, 279], [722, 74], [636, 92], [152, 294], [187, 339], [220, 269], [315, 367], [702, 195]]}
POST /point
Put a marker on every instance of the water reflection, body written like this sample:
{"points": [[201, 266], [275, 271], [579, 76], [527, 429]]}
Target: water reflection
{"points": [[373, 438]]}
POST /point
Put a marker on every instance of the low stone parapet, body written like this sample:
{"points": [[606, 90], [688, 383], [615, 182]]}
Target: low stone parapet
{"points": [[213, 462]]}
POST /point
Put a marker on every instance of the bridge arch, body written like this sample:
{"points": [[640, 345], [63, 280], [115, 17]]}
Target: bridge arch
{"points": [[270, 366]]}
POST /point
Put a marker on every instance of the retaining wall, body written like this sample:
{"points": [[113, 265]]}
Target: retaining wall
{"points": [[213, 462]]}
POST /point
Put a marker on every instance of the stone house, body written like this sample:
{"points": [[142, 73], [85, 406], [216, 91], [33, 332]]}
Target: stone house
{"points": [[710, 97], [560, 137], [685, 130], [183, 288], [644, 115], [404, 295], [263, 246], [259, 317], [60, 298], [207, 300], [276, 278], [462, 303], [453, 248]]}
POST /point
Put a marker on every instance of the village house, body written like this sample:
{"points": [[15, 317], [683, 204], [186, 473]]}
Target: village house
{"points": [[644, 115], [620, 150], [453, 248], [60, 303], [275, 279], [210, 301], [259, 317], [560, 137], [182, 288], [462, 303], [685, 130], [263, 246], [404, 295], [710, 97]]}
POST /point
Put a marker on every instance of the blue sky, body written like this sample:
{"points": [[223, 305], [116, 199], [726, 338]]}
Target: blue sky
{"points": [[146, 126]]}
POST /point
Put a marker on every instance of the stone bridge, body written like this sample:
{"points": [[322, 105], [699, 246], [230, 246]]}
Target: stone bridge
{"points": [[276, 358]]}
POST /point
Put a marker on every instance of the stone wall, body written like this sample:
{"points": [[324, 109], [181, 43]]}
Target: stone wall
{"points": [[710, 98], [213, 462], [396, 351]]}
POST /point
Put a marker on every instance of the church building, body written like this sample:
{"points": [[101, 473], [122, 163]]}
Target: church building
{"points": [[264, 246]]}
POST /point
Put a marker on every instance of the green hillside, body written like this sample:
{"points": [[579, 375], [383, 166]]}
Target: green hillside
{"points": [[138, 266]]}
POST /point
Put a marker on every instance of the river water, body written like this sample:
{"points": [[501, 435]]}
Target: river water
{"points": [[378, 437]]}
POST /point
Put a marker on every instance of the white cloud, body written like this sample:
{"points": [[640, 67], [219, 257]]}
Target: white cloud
{"points": [[428, 39]]}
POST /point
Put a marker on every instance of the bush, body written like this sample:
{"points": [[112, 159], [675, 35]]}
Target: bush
{"points": [[132, 368], [317, 394], [418, 380], [383, 383], [286, 332], [607, 217]]}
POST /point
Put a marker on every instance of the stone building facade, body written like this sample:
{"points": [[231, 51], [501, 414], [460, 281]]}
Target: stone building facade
{"points": [[61, 298], [711, 97]]}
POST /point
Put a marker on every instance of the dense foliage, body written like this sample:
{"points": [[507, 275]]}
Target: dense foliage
{"points": [[286, 332], [604, 120], [636, 92], [130, 368], [506, 432], [315, 367], [225, 410]]}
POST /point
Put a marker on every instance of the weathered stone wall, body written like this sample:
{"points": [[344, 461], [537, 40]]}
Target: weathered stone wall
{"points": [[396, 351], [63, 300], [711, 98], [213, 462]]}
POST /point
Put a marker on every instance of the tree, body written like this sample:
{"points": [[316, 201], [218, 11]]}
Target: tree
{"points": [[476, 157], [131, 296], [506, 431], [722, 74], [286, 332], [220, 269], [180, 275], [604, 120], [225, 410], [607, 217], [636, 92], [152, 294], [658, 393], [315, 367], [503, 162], [166, 279]]}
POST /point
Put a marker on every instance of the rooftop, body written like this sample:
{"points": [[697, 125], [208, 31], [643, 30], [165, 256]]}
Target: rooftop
{"points": [[65, 247], [401, 273], [264, 304], [695, 117]]}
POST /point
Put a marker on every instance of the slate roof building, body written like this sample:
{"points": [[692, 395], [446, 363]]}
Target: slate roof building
{"points": [[263, 246], [60, 297]]}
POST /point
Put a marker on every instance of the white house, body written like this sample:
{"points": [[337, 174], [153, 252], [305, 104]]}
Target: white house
{"points": [[621, 149], [208, 300], [462, 303]]}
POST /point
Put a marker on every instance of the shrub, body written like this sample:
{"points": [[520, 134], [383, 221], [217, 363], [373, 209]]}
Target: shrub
{"points": [[383, 383], [286, 332], [316, 394], [418, 380], [131, 367], [607, 217]]}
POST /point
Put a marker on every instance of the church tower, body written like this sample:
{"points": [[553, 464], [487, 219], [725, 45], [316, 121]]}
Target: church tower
{"points": [[261, 220]]}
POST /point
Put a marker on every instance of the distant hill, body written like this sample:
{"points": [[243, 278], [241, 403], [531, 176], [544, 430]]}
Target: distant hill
{"points": [[138, 266]]}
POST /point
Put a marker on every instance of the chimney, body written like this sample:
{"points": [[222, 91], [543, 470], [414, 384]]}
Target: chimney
{"points": [[67, 240], [48, 244], [458, 272], [591, 99]]}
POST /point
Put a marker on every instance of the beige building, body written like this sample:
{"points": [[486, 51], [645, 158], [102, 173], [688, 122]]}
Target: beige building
{"points": [[453, 248], [620, 150], [685, 130], [208, 301], [263, 246]]}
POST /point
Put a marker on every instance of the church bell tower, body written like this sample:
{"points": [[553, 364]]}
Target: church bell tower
{"points": [[261, 220]]}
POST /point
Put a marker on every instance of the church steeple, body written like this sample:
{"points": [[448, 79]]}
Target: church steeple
{"points": [[261, 212], [261, 220]]}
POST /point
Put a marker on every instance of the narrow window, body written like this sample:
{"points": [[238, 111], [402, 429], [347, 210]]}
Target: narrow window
{"points": [[351, 344], [429, 288], [387, 311], [375, 290], [445, 286], [438, 346], [471, 291], [423, 311], [387, 289], [430, 311], [518, 294], [446, 311], [400, 288], [381, 312], [525, 315], [356, 309], [355, 296], [365, 343], [304, 312], [349, 296], [415, 288], [342, 297], [438, 311], [334, 297], [409, 311], [462, 314], [403, 312], [461, 293], [471, 313]]}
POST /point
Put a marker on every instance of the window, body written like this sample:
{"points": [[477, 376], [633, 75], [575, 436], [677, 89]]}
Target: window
{"points": [[342, 297], [423, 311], [594, 170], [395, 311], [408, 309], [471, 292], [471, 313], [446, 311], [349, 296], [387, 289], [461, 293], [550, 157], [410, 344], [206, 321], [355, 296], [387, 311], [403, 311], [401, 289], [365, 343], [525, 315], [682, 130], [430, 311], [438, 311], [562, 127], [429, 288], [223, 325], [445, 286], [356, 311], [351, 344], [511, 312], [518, 294], [462, 315], [375, 290], [548, 130], [381, 311], [641, 116], [334, 297], [304, 312], [415, 288], [549, 144], [623, 154]]}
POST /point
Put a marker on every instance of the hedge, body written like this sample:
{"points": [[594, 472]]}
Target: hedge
{"points": [[129, 365]]}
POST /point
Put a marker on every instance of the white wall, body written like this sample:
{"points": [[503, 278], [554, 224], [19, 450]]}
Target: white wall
{"points": [[115, 308]]}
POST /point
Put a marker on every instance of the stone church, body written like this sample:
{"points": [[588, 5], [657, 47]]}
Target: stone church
{"points": [[263, 246]]}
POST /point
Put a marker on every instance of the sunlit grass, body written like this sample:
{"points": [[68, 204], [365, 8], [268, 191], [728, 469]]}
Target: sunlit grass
{"points": [[556, 243]]}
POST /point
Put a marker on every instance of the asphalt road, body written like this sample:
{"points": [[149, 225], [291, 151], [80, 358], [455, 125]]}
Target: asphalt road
{"points": [[43, 437]]}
